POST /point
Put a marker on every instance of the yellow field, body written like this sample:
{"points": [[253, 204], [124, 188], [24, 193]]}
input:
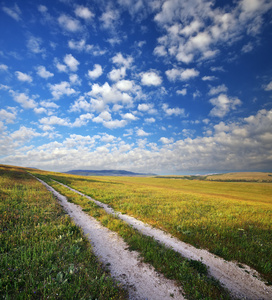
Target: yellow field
{"points": [[230, 219]]}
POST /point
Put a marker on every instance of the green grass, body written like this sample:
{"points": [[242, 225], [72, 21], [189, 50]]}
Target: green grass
{"points": [[230, 219], [43, 254], [191, 275]]}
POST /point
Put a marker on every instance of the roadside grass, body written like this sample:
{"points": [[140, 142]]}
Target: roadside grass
{"points": [[191, 275], [43, 254], [230, 219]]}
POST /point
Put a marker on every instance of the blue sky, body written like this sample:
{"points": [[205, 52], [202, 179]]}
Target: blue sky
{"points": [[168, 87]]}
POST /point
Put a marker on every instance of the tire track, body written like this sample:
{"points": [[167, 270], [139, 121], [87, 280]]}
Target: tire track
{"points": [[242, 283], [141, 279]]}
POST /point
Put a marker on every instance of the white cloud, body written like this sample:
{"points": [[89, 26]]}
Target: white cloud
{"points": [[77, 45], [105, 118], [96, 72], [61, 67], [117, 74], [42, 9], [150, 120], [68, 23], [13, 12], [103, 95], [173, 111], [141, 132], [109, 18], [268, 87], [74, 79], [54, 120], [8, 116], [120, 60], [34, 45], [40, 110], [209, 78], [166, 140], [84, 12], [42, 72], [23, 77], [147, 107], [49, 104], [151, 78], [60, 89], [24, 134], [3, 67], [82, 120], [71, 62], [125, 85], [182, 92], [181, 74], [80, 104], [23, 99], [188, 74], [223, 104], [130, 117], [217, 90]]}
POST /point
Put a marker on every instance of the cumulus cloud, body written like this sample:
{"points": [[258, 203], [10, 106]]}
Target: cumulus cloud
{"points": [[166, 140], [117, 74], [34, 44], [60, 89], [71, 62], [23, 100], [69, 24], [96, 72], [9, 116], [268, 87], [3, 67], [141, 132], [124, 85], [217, 90], [182, 92], [23, 77], [151, 78], [42, 72], [84, 12], [109, 18], [181, 74], [103, 95], [120, 60], [223, 104], [173, 111]]}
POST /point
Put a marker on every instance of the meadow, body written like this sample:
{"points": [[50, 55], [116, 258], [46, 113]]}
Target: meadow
{"points": [[43, 254], [230, 219]]}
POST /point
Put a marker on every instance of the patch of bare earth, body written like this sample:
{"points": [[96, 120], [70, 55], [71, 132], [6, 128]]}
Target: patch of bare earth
{"points": [[243, 283], [141, 279]]}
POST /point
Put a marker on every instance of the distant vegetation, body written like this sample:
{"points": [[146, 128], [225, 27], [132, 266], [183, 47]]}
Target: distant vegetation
{"points": [[107, 173], [228, 177]]}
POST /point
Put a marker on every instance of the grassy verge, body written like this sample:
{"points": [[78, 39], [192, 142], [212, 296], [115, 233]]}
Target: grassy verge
{"points": [[232, 220], [43, 254], [191, 275]]}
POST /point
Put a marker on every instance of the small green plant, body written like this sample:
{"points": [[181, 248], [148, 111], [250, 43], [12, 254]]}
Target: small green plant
{"points": [[43, 254]]}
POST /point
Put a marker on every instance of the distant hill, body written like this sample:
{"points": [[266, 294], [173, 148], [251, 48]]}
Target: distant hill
{"points": [[107, 173], [242, 176]]}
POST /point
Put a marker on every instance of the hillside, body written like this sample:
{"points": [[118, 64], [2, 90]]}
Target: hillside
{"points": [[106, 173]]}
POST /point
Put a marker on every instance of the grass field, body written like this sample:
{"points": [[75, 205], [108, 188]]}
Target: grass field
{"points": [[230, 219], [43, 255]]}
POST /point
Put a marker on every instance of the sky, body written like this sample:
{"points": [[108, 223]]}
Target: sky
{"points": [[153, 86]]}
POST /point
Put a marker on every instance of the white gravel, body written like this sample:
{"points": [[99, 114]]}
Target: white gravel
{"points": [[243, 283], [141, 279]]}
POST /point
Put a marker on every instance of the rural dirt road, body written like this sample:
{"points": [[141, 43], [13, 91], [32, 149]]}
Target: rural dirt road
{"points": [[243, 283], [141, 279]]}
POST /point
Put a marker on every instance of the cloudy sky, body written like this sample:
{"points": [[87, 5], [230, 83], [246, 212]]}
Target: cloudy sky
{"points": [[162, 86]]}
